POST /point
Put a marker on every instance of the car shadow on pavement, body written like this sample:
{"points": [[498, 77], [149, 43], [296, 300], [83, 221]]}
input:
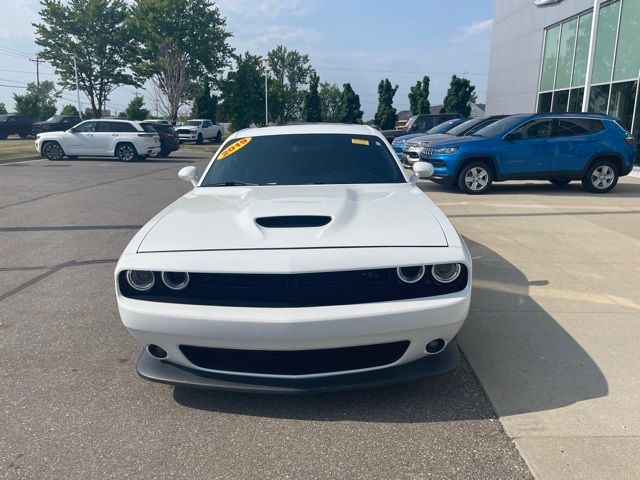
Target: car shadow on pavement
{"points": [[139, 162], [574, 189], [533, 360]]}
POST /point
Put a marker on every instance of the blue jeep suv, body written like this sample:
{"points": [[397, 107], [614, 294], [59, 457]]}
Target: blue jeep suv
{"points": [[560, 148]]}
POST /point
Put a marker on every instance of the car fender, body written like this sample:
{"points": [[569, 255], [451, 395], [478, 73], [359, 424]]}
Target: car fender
{"points": [[471, 156]]}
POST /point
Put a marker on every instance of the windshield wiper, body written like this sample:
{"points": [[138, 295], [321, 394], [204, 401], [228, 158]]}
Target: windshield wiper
{"points": [[230, 184]]}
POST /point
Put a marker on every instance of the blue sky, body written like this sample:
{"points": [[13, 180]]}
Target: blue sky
{"points": [[353, 41]]}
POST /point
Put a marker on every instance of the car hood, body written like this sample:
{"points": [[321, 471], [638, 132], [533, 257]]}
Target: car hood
{"points": [[393, 133], [451, 141], [404, 138], [227, 218], [433, 138]]}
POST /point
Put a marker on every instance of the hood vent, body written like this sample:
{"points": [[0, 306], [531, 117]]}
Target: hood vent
{"points": [[293, 221]]}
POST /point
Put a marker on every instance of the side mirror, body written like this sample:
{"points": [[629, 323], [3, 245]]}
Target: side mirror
{"points": [[188, 174], [421, 170]]}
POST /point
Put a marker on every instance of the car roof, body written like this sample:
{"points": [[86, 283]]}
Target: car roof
{"points": [[339, 128], [595, 116]]}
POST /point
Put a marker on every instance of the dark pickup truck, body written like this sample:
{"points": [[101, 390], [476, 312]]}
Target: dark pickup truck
{"points": [[13, 124], [419, 124]]}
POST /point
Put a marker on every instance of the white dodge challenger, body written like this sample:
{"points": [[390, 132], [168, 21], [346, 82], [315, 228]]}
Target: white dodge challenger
{"points": [[303, 259]]}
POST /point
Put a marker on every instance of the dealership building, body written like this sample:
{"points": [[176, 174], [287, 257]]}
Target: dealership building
{"points": [[566, 56]]}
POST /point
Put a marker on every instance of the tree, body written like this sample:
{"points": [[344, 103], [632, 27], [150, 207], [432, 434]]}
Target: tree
{"points": [[243, 92], [349, 106], [39, 101], [88, 114], [3, 109], [177, 43], [70, 110], [290, 72], [330, 101], [311, 108], [205, 105], [386, 115], [93, 32], [134, 110], [419, 97], [458, 96]]}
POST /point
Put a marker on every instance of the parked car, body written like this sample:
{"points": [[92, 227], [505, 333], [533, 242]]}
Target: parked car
{"points": [[14, 124], [560, 148], [399, 143], [200, 130], [270, 275], [57, 123], [158, 120], [419, 124], [123, 139], [169, 141], [412, 147]]}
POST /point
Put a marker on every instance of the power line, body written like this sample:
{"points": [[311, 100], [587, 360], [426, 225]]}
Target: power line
{"points": [[11, 86], [16, 51]]}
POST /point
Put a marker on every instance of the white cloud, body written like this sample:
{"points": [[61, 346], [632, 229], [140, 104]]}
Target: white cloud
{"points": [[473, 31]]}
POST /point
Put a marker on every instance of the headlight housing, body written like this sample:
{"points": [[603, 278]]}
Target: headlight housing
{"points": [[445, 273], [193, 130], [175, 280], [445, 150], [411, 274], [141, 280]]}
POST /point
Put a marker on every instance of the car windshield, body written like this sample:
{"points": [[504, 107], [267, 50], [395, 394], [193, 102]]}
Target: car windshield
{"points": [[443, 127], [54, 119], [303, 159], [465, 126], [499, 126], [191, 123], [4, 118]]}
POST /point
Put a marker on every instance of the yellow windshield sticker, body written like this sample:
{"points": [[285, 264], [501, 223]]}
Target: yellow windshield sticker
{"points": [[359, 141], [233, 148]]}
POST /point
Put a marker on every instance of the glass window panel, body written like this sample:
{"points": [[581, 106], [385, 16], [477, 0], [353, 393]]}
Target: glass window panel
{"points": [[628, 53], [582, 50], [544, 102], [575, 100], [560, 101], [623, 97], [549, 58], [599, 98], [565, 53], [605, 43]]}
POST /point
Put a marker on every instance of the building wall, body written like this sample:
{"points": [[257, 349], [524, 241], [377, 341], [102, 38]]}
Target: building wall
{"points": [[516, 50]]}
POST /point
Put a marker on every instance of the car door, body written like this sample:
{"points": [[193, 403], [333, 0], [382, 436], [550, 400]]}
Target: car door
{"points": [[577, 140], [528, 150], [80, 139], [207, 129]]}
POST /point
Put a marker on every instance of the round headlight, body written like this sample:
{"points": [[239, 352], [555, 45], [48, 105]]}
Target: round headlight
{"points": [[175, 280], [446, 272], [141, 280], [410, 274]]}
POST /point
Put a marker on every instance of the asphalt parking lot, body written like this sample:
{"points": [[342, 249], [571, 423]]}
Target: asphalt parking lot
{"points": [[551, 339]]}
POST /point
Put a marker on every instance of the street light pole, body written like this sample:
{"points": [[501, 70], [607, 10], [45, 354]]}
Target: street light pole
{"points": [[75, 68], [592, 49], [266, 92]]}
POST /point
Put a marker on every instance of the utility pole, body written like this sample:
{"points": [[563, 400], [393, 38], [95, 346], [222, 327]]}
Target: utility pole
{"points": [[75, 68], [266, 92], [37, 61], [592, 49]]}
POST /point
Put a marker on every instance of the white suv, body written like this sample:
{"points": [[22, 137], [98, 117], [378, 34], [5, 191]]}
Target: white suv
{"points": [[101, 138], [199, 130]]}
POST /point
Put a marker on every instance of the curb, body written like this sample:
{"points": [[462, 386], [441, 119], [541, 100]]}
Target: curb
{"points": [[635, 172]]}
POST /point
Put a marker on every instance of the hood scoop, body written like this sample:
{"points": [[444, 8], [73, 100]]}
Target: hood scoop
{"points": [[293, 221]]}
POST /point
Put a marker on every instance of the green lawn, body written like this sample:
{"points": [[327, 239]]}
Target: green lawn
{"points": [[17, 148]]}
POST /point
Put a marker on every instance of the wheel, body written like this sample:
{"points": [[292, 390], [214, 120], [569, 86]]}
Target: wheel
{"points": [[561, 182], [218, 138], [53, 151], [126, 152], [199, 140], [475, 178], [601, 177]]}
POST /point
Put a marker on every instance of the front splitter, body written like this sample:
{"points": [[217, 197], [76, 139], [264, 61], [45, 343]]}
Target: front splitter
{"points": [[155, 370]]}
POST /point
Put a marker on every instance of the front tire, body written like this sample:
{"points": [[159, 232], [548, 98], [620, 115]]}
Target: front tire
{"points": [[200, 139], [475, 178], [218, 138], [53, 151], [601, 177], [126, 152]]}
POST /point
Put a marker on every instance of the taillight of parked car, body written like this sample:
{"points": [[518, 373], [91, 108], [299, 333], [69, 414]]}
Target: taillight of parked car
{"points": [[168, 136], [629, 140]]}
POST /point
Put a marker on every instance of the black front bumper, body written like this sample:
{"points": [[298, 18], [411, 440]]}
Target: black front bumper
{"points": [[150, 368]]}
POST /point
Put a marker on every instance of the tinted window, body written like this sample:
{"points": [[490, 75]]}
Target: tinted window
{"points": [[305, 159], [158, 127], [54, 119], [85, 127], [578, 126], [498, 127], [534, 129], [443, 127], [119, 127], [191, 123], [207, 124], [148, 128]]}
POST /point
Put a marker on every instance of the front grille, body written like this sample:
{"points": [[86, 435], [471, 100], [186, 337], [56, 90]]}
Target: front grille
{"points": [[294, 290], [295, 362], [428, 151], [183, 132]]}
